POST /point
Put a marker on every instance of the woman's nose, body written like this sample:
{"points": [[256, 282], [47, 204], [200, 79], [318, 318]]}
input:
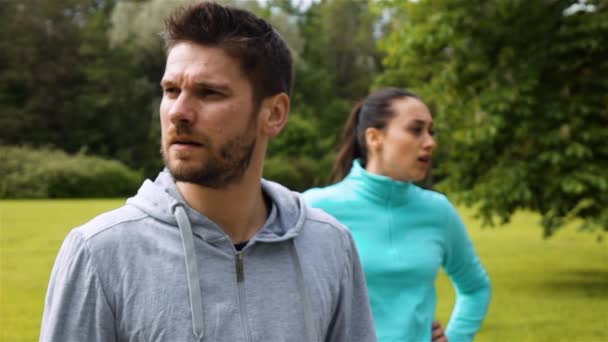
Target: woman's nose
{"points": [[430, 142]]}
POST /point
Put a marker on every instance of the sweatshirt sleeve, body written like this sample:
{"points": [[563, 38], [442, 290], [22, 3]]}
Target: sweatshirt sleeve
{"points": [[470, 281], [76, 308], [352, 320]]}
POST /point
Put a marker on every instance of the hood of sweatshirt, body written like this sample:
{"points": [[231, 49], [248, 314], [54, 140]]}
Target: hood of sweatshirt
{"points": [[162, 200]]}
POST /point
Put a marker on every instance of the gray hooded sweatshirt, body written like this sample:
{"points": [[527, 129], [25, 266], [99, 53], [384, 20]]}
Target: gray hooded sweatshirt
{"points": [[157, 270]]}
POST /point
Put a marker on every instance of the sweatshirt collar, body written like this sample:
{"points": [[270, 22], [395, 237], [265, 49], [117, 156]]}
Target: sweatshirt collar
{"points": [[284, 222], [378, 188]]}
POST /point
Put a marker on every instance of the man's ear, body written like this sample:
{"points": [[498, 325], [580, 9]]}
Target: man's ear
{"points": [[274, 114]]}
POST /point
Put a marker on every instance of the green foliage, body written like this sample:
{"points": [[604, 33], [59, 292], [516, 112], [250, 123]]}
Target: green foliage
{"points": [[334, 69], [45, 173], [38, 55], [299, 137], [297, 157], [519, 89], [63, 85], [118, 103], [520, 97], [296, 173]]}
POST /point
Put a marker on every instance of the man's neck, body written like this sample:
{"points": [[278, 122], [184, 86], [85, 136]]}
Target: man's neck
{"points": [[239, 209]]}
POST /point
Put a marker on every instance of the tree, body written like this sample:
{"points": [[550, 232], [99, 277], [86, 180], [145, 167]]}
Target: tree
{"points": [[119, 98], [63, 85], [520, 96], [38, 55], [338, 62]]}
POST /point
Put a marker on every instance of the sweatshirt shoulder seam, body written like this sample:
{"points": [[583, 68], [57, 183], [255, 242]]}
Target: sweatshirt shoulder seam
{"points": [[108, 226], [327, 222]]}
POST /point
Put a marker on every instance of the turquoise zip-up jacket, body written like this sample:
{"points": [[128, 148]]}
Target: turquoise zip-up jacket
{"points": [[404, 234]]}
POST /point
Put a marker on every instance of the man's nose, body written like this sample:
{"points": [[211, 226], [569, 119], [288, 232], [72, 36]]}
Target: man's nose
{"points": [[182, 110]]}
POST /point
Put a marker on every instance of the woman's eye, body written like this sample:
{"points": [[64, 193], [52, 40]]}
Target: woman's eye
{"points": [[432, 132], [416, 130]]}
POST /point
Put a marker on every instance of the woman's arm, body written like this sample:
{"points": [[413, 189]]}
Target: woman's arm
{"points": [[469, 278]]}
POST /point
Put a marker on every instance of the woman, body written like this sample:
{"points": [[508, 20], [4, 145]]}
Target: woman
{"points": [[403, 232]]}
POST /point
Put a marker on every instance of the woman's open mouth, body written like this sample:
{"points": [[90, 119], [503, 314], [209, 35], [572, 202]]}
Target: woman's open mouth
{"points": [[425, 159]]}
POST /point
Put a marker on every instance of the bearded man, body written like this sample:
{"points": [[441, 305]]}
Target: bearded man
{"points": [[209, 250]]}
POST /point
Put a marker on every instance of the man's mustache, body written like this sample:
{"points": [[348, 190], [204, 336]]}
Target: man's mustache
{"points": [[183, 132], [183, 128]]}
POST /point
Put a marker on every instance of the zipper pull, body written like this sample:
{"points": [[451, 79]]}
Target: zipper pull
{"points": [[240, 275]]}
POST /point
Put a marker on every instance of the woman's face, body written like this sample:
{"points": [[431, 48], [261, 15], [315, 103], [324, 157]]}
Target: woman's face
{"points": [[403, 149]]}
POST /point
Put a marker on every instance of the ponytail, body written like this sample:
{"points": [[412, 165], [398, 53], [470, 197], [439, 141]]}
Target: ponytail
{"points": [[350, 148]]}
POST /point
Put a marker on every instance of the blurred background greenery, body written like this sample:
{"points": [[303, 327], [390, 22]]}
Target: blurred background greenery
{"points": [[519, 91]]}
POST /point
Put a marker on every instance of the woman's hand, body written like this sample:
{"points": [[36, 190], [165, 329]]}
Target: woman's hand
{"points": [[437, 334]]}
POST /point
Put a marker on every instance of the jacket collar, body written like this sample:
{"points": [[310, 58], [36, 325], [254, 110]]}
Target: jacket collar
{"points": [[378, 188]]}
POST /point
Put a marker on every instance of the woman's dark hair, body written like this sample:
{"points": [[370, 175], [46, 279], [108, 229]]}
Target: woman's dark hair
{"points": [[373, 111], [264, 56]]}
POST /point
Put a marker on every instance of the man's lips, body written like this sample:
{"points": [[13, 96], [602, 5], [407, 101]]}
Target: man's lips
{"points": [[185, 142], [185, 145], [180, 143]]}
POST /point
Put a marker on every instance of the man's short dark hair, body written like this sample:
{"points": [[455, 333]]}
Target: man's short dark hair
{"points": [[264, 56]]}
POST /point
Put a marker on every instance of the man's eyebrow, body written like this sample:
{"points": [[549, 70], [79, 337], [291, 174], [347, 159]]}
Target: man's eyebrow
{"points": [[198, 85], [215, 86], [166, 83]]}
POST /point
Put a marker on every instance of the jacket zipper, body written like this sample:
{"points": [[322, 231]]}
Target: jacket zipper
{"points": [[389, 206], [239, 267], [240, 279]]}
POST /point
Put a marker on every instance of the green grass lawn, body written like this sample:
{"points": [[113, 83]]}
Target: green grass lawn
{"points": [[543, 290]]}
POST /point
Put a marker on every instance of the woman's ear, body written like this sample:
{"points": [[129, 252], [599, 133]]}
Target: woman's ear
{"points": [[274, 114], [373, 139]]}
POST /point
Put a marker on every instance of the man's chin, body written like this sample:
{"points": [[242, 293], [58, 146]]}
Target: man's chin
{"points": [[184, 170]]}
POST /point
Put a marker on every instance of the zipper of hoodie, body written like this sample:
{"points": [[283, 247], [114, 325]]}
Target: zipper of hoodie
{"points": [[240, 279]]}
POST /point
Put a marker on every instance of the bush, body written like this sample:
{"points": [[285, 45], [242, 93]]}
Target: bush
{"points": [[299, 157], [299, 173], [46, 173]]}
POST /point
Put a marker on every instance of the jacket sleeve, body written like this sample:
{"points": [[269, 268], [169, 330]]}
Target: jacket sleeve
{"points": [[470, 281], [352, 320], [76, 308]]}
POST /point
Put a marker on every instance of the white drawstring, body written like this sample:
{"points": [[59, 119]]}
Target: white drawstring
{"points": [[194, 288]]}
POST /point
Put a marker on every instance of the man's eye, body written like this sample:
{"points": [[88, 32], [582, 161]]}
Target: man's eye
{"points": [[171, 91], [208, 92]]}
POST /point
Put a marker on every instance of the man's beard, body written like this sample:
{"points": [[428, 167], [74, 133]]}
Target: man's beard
{"points": [[224, 165]]}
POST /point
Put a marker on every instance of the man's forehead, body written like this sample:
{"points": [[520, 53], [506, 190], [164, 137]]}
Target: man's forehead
{"points": [[195, 61]]}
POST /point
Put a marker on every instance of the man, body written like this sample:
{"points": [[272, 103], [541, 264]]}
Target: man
{"points": [[210, 251]]}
